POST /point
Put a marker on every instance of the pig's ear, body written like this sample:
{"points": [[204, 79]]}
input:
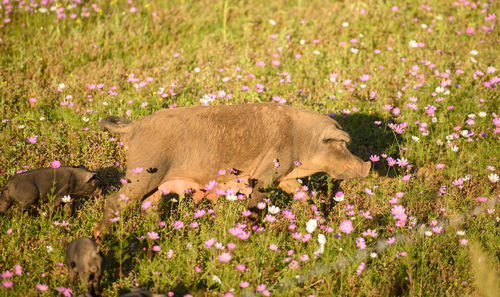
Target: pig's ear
{"points": [[89, 176], [334, 134]]}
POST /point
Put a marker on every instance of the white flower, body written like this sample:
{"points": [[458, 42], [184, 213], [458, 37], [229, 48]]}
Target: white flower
{"points": [[439, 89], [473, 60], [338, 198], [105, 103], [42, 9], [454, 148], [197, 70], [434, 119], [345, 24], [493, 177], [215, 278], [316, 52], [321, 239], [85, 119], [272, 22], [465, 133], [471, 116], [415, 138], [473, 52], [273, 209], [424, 26], [354, 50], [302, 41], [61, 86], [42, 118], [482, 114], [206, 99], [439, 142], [428, 233], [373, 255], [413, 43], [460, 232], [231, 197], [311, 225], [362, 86], [49, 248], [66, 199]]}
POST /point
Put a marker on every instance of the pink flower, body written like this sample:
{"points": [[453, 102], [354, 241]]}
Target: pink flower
{"points": [[463, 241], [153, 235], [374, 158], [156, 248], [241, 267], [391, 240], [137, 170], [66, 291], [7, 284], [225, 257], [346, 226], [41, 287], [244, 284], [178, 225], [32, 139], [146, 204], [361, 267], [364, 77], [360, 243], [55, 164], [304, 258]]}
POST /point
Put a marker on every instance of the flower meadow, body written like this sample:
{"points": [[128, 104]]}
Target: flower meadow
{"points": [[414, 83]]}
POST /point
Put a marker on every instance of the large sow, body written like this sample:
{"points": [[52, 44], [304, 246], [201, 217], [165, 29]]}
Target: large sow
{"points": [[234, 148]]}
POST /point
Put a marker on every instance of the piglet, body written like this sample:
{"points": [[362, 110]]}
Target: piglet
{"points": [[85, 260], [28, 188]]}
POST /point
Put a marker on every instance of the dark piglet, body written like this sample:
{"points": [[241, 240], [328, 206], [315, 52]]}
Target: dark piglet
{"points": [[84, 260], [28, 188]]}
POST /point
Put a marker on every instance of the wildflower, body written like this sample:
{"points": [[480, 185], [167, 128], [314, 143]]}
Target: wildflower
{"points": [[41, 287], [304, 258], [7, 284], [66, 199], [244, 284], [215, 278], [225, 257], [146, 204], [374, 158], [339, 197], [370, 232], [153, 235], [261, 205], [346, 226], [178, 225], [32, 139], [55, 164], [66, 291], [273, 209], [360, 243], [463, 241], [361, 267], [391, 240], [460, 233], [137, 170], [311, 225], [156, 248], [493, 177]]}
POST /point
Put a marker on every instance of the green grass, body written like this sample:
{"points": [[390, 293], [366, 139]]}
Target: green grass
{"points": [[202, 47]]}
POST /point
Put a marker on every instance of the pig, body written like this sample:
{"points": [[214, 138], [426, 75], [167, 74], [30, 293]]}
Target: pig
{"points": [[85, 260], [258, 145], [138, 292], [27, 188]]}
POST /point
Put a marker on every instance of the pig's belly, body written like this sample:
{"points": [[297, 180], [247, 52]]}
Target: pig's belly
{"points": [[181, 185]]}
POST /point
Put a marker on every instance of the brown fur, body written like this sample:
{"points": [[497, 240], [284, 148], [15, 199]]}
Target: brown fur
{"points": [[187, 146]]}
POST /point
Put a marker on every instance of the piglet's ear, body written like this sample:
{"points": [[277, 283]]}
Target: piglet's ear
{"points": [[335, 134], [89, 176]]}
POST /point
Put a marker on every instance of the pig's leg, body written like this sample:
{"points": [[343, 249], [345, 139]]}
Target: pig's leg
{"points": [[4, 201], [138, 185], [72, 274]]}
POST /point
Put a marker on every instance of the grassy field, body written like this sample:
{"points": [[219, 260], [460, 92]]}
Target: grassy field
{"points": [[415, 85]]}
